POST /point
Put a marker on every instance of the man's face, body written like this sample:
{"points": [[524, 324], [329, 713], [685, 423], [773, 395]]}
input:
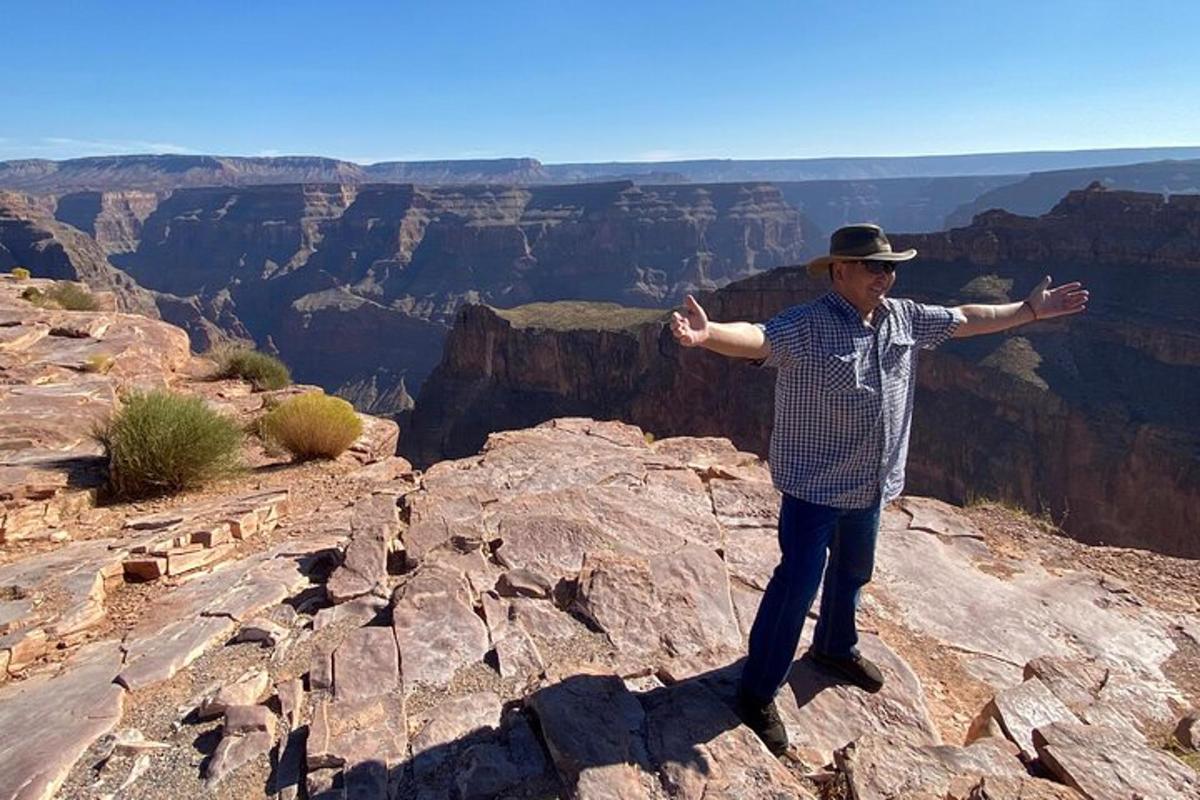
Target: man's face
{"points": [[864, 283]]}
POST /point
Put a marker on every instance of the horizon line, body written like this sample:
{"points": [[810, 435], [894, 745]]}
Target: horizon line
{"points": [[690, 160]]}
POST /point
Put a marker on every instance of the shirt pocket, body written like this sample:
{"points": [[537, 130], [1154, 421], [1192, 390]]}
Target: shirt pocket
{"points": [[898, 356], [843, 374]]}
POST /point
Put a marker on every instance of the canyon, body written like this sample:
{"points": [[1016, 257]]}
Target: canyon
{"points": [[560, 615], [1090, 420], [355, 286]]}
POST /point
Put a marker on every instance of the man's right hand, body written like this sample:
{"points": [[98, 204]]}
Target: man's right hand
{"points": [[691, 330]]}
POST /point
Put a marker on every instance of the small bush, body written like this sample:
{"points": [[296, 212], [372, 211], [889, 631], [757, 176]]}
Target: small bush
{"points": [[68, 296], [312, 425], [98, 363], [20, 273], [261, 370], [159, 443]]}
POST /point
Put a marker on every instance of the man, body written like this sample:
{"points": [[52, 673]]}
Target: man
{"points": [[843, 410]]}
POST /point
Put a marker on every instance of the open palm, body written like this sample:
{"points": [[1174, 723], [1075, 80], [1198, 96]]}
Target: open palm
{"points": [[1070, 298]]}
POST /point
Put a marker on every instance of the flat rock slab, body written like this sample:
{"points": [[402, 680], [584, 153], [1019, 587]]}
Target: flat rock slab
{"points": [[745, 504], [701, 453], [1000, 614], [882, 768], [703, 752], [652, 609], [1105, 763], [184, 623], [68, 711], [158, 657], [488, 756], [517, 654], [351, 733], [822, 713], [375, 523], [1023, 708], [592, 726], [550, 535], [1101, 693], [247, 690], [935, 516], [451, 721], [752, 555], [436, 628], [61, 591], [359, 611], [248, 732], [366, 664]]}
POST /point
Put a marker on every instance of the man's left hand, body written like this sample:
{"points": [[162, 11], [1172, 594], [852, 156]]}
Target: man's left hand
{"points": [[1061, 301]]}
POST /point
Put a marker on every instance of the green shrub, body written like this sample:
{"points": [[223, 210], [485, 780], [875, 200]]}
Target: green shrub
{"points": [[68, 296], [20, 273], [261, 370], [159, 443], [313, 425]]}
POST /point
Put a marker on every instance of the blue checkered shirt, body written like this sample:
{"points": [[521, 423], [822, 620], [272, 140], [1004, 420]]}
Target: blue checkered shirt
{"points": [[844, 395]]}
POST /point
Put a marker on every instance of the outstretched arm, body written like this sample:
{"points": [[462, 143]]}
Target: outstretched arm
{"points": [[735, 339], [1042, 303]]}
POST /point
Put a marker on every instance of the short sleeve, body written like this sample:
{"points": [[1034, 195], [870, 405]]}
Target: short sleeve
{"points": [[789, 334], [932, 324]]}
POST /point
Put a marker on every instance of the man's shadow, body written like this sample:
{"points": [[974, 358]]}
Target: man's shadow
{"points": [[588, 722]]}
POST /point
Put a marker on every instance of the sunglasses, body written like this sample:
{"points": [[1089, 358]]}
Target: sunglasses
{"points": [[879, 267]]}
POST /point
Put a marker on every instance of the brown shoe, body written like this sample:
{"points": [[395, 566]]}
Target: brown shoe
{"points": [[765, 722], [856, 669]]}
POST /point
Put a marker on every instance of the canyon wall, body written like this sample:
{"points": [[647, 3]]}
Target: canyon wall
{"points": [[1090, 420], [355, 286], [31, 237]]}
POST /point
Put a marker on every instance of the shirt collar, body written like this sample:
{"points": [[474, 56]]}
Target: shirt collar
{"points": [[844, 306]]}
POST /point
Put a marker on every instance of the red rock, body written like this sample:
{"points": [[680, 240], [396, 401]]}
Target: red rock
{"points": [[344, 734], [1020, 710], [436, 628], [1103, 763], [186, 560], [880, 768], [454, 719], [145, 569], [69, 710], [705, 752], [366, 664], [592, 727], [247, 690], [248, 733]]}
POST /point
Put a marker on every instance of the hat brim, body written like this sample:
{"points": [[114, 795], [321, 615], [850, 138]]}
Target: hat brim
{"points": [[819, 265]]}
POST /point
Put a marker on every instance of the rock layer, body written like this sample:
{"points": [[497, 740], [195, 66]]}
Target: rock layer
{"points": [[1053, 417]]}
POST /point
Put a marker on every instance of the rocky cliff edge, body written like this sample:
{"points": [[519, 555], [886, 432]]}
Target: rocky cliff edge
{"points": [[559, 615]]}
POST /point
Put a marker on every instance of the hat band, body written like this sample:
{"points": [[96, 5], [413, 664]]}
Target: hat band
{"points": [[869, 249]]}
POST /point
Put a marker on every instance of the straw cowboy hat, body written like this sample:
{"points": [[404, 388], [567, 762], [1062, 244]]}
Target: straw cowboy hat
{"points": [[863, 242]]}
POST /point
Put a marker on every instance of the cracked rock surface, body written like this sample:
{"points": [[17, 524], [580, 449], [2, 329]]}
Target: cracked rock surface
{"points": [[561, 615]]}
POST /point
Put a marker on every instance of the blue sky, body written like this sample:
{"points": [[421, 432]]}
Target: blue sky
{"points": [[596, 81]]}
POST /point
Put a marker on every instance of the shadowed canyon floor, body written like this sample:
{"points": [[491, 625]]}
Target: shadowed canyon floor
{"points": [[560, 615]]}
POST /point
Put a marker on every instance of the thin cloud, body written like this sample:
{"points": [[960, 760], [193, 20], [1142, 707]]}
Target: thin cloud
{"points": [[58, 147]]}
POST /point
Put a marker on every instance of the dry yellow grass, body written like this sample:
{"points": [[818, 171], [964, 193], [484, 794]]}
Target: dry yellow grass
{"points": [[313, 425]]}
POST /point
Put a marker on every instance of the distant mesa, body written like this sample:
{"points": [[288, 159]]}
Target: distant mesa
{"points": [[166, 172]]}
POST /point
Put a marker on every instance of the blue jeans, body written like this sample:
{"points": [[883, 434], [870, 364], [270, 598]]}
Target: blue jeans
{"points": [[806, 532]]}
